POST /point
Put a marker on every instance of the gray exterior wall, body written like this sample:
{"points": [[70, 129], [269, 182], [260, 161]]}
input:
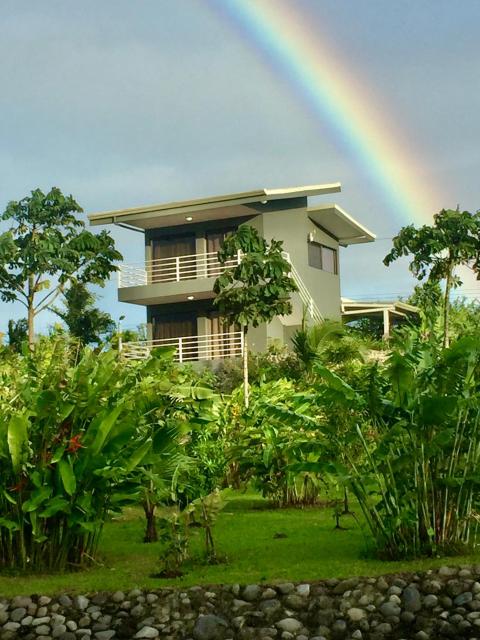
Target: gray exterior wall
{"points": [[293, 227], [288, 221]]}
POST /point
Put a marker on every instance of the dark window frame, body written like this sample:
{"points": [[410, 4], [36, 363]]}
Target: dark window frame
{"points": [[319, 261]]}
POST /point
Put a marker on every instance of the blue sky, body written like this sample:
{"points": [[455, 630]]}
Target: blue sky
{"points": [[125, 103]]}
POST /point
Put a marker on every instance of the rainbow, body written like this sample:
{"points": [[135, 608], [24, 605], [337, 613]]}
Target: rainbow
{"points": [[332, 92]]}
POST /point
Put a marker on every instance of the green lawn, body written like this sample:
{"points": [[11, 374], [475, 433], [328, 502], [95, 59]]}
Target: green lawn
{"points": [[245, 533]]}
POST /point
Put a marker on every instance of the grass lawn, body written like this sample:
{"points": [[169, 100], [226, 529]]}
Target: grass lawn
{"points": [[245, 533]]}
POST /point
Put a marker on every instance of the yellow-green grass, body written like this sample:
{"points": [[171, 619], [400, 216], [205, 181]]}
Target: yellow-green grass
{"points": [[245, 533]]}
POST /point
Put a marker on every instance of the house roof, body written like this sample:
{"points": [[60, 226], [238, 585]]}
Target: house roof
{"points": [[358, 309], [212, 208], [339, 224]]}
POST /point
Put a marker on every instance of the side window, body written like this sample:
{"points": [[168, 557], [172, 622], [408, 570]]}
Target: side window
{"points": [[329, 260], [322, 257], [315, 255]]}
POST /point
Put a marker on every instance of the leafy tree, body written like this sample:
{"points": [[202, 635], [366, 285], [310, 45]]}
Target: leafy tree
{"points": [[465, 317], [257, 289], [83, 319], [437, 250], [45, 248], [17, 333]]}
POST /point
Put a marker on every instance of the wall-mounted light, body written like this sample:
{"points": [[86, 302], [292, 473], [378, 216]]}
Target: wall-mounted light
{"points": [[311, 236], [189, 218], [190, 297], [263, 201]]}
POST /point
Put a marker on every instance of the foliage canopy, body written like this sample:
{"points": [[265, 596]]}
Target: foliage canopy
{"points": [[45, 248]]}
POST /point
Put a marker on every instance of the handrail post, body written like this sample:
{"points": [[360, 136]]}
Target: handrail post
{"points": [[180, 350], [177, 268], [204, 265]]}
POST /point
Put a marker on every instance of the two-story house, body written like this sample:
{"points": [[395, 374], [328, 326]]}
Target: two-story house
{"points": [[175, 281]]}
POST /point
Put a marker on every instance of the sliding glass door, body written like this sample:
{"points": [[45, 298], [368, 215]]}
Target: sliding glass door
{"points": [[173, 258]]}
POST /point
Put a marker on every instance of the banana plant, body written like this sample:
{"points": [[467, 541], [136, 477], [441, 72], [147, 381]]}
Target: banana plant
{"points": [[72, 437], [410, 446]]}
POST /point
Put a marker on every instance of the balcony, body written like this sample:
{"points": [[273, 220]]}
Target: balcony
{"points": [[176, 269], [184, 277], [189, 348], [175, 279]]}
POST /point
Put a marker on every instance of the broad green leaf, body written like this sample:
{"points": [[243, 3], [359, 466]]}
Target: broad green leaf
{"points": [[67, 475], [53, 506], [103, 427], [18, 440], [58, 454], [9, 498], [137, 456], [9, 524], [37, 498]]}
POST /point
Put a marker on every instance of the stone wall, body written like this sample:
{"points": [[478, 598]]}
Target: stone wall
{"points": [[436, 604]]}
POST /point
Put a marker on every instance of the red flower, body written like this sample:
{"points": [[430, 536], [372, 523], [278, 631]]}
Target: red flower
{"points": [[74, 444], [20, 486]]}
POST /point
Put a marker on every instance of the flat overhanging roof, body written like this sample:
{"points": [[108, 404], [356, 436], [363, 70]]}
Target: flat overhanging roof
{"points": [[232, 205], [337, 223], [358, 309]]}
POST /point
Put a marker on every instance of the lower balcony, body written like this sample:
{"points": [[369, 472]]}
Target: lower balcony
{"points": [[189, 348]]}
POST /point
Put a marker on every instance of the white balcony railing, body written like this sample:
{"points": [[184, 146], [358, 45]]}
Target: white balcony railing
{"points": [[175, 269], [309, 304], [190, 348]]}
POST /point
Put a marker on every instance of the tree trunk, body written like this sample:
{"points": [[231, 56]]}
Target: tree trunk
{"points": [[446, 308], [245, 366], [151, 534], [31, 314]]}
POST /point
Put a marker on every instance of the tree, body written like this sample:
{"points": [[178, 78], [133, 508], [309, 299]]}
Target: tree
{"points": [[453, 240], [17, 333], [257, 288], [465, 317], [46, 248], [83, 319]]}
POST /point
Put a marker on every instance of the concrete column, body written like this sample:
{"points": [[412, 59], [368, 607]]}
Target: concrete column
{"points": [[203, 329], [149, 331], [202, 326], [148, 257], [201, 248], [386, 324]]}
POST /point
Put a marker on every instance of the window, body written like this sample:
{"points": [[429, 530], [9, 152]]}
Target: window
{"points": [[322, 257]]}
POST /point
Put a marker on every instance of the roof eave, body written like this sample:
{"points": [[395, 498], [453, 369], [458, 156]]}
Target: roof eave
{"points": [[189, 206], [359, 235]]}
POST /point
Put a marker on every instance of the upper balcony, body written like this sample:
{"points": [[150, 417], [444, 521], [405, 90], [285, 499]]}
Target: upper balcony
{"points": [[171, 279]]}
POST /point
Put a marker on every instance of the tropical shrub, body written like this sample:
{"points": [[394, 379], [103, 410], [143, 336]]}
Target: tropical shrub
{"points": [[71, 439], [331, 344], [175, 470], [271, 440], [176, 526], [417, 420], [273, 364]]}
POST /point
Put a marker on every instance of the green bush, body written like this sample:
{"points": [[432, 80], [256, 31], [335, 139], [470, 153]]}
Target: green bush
{"points": [[269, 440], [71, 438], [417, 422]]}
